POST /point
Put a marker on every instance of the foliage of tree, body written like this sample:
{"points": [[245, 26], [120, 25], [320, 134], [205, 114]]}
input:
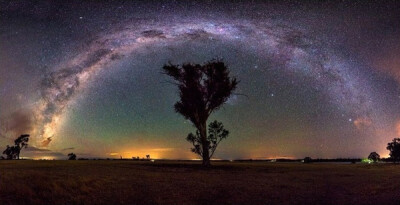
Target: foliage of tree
{"points": [[374, 156], [9, 152], [71, 156], [13, 152], [21, 142], [216, 133], [394, 148], [203, 89]]}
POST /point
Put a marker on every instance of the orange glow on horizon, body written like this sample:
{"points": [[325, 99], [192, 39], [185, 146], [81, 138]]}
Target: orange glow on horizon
{"points": [[155, 153]]}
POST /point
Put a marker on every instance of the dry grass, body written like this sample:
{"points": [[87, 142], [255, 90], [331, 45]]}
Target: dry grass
{"points": [[130, 182]]}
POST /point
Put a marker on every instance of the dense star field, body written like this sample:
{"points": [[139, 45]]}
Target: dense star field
{"points": [[318, 79]]}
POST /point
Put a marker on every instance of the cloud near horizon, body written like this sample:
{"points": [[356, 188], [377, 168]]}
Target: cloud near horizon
{"points": [[17, 123], [33, 152]]}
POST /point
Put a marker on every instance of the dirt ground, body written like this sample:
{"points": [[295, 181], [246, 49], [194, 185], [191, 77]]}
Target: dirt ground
{"points": [[173, 182]]}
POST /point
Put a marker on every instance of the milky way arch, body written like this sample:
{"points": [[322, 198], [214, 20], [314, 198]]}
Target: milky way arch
{"points": [[292, 50]]}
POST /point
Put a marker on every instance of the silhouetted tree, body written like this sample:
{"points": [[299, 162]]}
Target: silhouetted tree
{"points": [[13, 152], [202, 90], [148, 156], [71, 156], [216, 133], [394, 148], [374, 156], [20, 142]]}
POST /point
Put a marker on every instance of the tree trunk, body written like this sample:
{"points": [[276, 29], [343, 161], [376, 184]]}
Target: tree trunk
{"points": [[18, 151], [204, 142]]}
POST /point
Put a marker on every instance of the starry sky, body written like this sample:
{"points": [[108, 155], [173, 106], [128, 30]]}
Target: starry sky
{"points": [[317, 78]]}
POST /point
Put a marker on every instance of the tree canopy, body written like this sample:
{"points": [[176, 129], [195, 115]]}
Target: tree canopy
{"points": [[394, 148], [13, 152], [374, 156], [71, 156], [216, 133]]}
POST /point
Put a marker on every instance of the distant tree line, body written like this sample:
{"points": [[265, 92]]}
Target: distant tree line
{"points": [[334, 160]]}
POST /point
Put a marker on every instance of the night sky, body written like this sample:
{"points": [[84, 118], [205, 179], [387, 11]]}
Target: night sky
{"points": [[318, 79]]}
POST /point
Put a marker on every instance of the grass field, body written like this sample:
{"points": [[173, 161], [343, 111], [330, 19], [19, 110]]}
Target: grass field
{"points": [[168, 182]]}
